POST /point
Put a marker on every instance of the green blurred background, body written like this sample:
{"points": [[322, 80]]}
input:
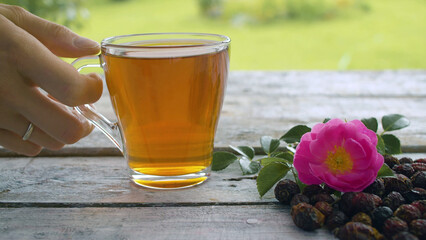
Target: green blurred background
{"points": [[266, 34]]}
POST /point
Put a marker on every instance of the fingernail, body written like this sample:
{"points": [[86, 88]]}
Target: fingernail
{"points": [[85, 43]]}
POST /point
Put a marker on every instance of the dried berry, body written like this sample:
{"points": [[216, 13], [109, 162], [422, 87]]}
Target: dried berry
{"points": [[419, 179], [336, 219], [399, 183], [391, 160], [406, 160], [418, 167], [325, 208], [377, 200], [362, 202], [362, 218], [407, 213], [357, 230], [393, 200], [405, 169], [379, 216], [420, 160], [299, 198], [377, 187], [393, 226], [345, 203], [414, 194], [418, 228], [307, 217], [421, 205], [312, 190], [404, 236], [285, 190], [321, 197]]}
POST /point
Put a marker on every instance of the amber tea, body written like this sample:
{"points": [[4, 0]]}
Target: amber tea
{"points": [[167, 91], [168, 107]]}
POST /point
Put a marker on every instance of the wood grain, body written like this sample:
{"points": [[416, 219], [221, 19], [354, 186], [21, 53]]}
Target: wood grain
{"points": [[103, 181], [261, 103], [208, 222]]}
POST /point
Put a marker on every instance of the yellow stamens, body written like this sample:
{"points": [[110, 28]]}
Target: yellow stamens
{"points": [[339, 161]]}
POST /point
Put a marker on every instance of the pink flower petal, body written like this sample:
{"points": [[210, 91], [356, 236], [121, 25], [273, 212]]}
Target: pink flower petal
{"points": [[371, 135], [302, 167], [359, 157], [331, 136], [358, 141], [301, 160], [317, 127], [306, 137], [320, 148], [336, 183], [378, 163]]}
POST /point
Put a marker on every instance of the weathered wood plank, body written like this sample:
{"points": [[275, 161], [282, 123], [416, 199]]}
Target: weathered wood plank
{"points": [[85, 181], [105, 179], [209, 222], [269, 103]]}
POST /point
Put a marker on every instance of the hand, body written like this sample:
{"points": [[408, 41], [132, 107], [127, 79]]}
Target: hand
{"points": [[29, 50]]}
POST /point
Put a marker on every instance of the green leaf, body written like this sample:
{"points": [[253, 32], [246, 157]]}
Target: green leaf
{"points": [[270, 175], [246, 151], [392, 144], [249, 167], [326, 120], [385, 171], [380, 145], [268, 160], [370, 123], [269, 144], [221, 160], [393, 122], [284, 155], [295, 133]]}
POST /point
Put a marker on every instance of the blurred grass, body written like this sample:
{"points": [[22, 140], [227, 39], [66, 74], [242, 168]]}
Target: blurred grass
{"points": [[391, 36]]}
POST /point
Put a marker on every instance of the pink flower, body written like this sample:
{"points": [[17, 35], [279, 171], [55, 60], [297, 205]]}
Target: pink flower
{"points": [[341, 154]]}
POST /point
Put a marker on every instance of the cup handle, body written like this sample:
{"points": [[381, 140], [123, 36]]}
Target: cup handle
{"points": [[110, 129]]}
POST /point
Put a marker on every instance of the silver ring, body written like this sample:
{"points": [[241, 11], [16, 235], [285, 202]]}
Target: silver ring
{"points": [[27, 134]]}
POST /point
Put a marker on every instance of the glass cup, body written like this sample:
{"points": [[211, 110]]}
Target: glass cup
{"points": [[167, 91]]}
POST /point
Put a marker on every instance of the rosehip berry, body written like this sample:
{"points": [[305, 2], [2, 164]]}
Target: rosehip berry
{"points": [[307, 217], [362, 218], [379, 216], [377, 187], [391, 160], [407, 213], [393, 200], [325, 208], [357, 230], [312, 190], [299, 198], [285, 190], [393, 226], [418, 228], [405, 169], [336, 219]]}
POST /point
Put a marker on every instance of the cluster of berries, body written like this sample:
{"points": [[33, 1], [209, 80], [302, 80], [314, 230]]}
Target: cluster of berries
{"points": [[390, 208]]}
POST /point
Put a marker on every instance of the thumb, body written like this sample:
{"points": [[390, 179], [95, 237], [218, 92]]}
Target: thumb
{"points": [[58, 39]]}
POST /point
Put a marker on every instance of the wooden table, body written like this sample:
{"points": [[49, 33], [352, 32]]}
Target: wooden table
{"points": [[83, 192]]}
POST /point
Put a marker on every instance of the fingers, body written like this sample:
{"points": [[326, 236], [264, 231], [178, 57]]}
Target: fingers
{"points": [[18, 124], [37, 64], [28, 45], [59, 39], [67, 126], [14, 142]]}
